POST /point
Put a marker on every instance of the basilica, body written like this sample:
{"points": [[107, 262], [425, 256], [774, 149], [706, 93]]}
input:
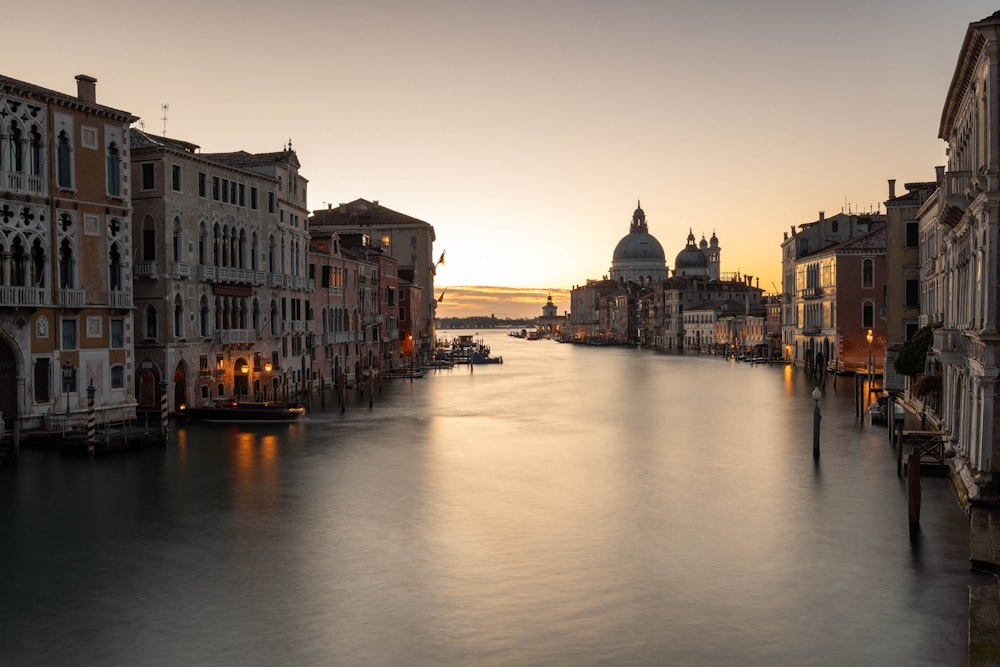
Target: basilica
{"points": [[642, 302]]}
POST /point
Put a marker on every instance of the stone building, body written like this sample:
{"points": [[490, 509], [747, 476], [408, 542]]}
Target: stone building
{"points": [[66, 321], [961, 228], [221, 287], [406, 239]]}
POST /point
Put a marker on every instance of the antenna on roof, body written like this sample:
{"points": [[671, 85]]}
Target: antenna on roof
{"points": [[164, 108]]}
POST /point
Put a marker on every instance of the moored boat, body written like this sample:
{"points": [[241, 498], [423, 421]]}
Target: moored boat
{"points": [[229, 411]]}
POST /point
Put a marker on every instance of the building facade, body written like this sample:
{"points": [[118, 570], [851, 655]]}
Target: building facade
{"points": [[960, 271], [222, 292], [66, 302], [407, 240]]}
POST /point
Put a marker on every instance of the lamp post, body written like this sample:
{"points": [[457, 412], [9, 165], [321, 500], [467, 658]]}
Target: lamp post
{"points": [[871, 369], [267, 369], [816, 394], [67, 373]]}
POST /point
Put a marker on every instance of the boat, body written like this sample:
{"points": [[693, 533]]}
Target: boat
{"points": [[231, 411], [405, 373], [483, 357]]}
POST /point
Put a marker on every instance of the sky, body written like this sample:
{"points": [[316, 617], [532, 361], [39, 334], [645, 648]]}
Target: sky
{"points": [[526, 131]]}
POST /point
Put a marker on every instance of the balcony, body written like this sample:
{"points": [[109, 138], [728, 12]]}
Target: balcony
{"points": [[120, 300], [73, 298], [811, 293], [180, 270], [206, 272], [950, 345], [277, 280], [24, 182], [11, 295], [958, 194], [233, 336], [145, 270]]}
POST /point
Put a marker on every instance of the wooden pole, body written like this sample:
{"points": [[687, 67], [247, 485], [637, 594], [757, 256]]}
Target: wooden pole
{"points": [[913, 491]]}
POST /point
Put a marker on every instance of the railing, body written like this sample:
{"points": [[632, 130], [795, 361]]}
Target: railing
{"points": [[145, 270], [277, 280], [181, 269], [811, 292], [230, 336], [118, 299], [73, 298], [11, 295], [24, 182], [206, 272]]}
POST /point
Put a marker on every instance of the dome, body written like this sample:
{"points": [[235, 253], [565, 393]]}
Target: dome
{"points": [[690, 258], [639, 245]]}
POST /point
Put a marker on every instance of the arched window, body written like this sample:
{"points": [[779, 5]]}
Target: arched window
{"points": [[16, 151], [150, 321], [216, 246], [178, 317], [64, 165], [275, 321], [37, 264], [254, 251], [868, 273], [203, 315], [270, 254], [66, 265], [177, 241], [202, 243], [35, 151], [114, 170], [256, 316], [148, 239], [241, 252], [868, 315], [18, 260], [118, 377], [115, 269]]}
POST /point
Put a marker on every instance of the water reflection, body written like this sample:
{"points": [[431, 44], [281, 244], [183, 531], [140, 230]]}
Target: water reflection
{"points": [[572, 506]]}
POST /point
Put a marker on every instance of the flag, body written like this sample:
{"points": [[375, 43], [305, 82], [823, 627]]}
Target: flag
{"points": [[441, 258], [441, 298]]}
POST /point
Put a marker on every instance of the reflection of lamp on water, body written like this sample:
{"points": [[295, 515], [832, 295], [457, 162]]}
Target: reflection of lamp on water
{"points": [[67, 372], [816, 395]]}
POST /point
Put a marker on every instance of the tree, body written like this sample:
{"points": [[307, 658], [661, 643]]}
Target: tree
{"points": [[913, 355]]}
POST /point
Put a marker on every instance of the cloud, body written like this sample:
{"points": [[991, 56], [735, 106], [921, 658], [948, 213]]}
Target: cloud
{"points": [[503, 302]]}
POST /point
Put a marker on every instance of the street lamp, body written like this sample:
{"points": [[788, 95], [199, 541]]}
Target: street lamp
{"points": [[871, 369], [67, 372], [816, 394], [245, 369]]}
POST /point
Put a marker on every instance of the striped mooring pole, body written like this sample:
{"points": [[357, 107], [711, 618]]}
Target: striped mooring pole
{"points": [[163, 408], [91, 417]]}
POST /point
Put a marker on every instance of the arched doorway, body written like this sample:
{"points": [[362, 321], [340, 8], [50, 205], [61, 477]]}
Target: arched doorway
{"points": [[180, 385], [146, 391], [241, 378], [8, 383]]}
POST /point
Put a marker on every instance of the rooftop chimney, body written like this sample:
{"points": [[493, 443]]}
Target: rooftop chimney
{"points": [[822, 216], [86, 88], [892, 188]]}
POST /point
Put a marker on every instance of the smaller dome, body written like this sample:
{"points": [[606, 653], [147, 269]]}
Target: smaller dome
{"points": [[690, 258]]}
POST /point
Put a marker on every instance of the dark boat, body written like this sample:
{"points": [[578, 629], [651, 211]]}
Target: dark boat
{"points": [[240, 411]]}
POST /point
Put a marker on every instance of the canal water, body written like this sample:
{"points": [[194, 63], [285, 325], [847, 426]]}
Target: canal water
{"points": [[571, 506]]}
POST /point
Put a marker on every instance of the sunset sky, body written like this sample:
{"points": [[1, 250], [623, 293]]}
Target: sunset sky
{"points": [[525, 131]]}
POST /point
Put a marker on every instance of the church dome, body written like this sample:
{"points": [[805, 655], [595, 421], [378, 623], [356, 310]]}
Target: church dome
{"points": [[691, 257], [639, 245], [638, 257]]}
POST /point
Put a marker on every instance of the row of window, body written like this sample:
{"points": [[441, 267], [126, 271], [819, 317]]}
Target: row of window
{"points": [[70, 335]]}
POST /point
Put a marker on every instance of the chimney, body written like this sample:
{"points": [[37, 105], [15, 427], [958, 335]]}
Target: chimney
{"points": [[892, 188], [822, 216], [86, 88]]}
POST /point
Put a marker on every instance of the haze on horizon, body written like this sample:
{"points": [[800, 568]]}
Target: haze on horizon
{"points": [[525, 132]]}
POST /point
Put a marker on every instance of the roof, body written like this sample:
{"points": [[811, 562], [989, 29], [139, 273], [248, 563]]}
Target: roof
{"points": [[361, 212], [15, 86]]}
